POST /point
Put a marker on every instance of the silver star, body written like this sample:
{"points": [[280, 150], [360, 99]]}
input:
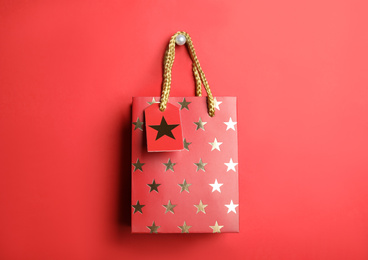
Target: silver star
{"points": [[184, 186], [154, 186], [215, 145], [153, 228], [231, 165], [184, 104], [169, 165], [200, 124], [152, 102], [200, 165], [231, 207], [138, 207], [217, 103], [138, 165], [186, 144], [169, 207], [216, 228], [201, 207], [184, 228], [230, 124], [138, 124], [216, 186]]}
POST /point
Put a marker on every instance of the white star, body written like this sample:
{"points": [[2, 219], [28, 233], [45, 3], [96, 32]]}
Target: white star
{"points": [[231, 165], [217, 104], [231, 207], [215, 145], [216, 186], [230, 124]]}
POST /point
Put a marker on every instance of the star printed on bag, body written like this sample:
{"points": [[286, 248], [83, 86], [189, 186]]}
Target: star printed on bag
{"points": [[153, 228], [200, 165], [230, 124], [201, 207], [169, 165], [215, 145], [216, 186], [138, 207], [164, 129], [184, 186], [231, 165], [200, 124], [152, 102], [138, 165], [138, 124], [216, 228], [184, 104], [186, 144], [169, 207], [184, 228], [217, 103], [231, 207], [154, 186]]}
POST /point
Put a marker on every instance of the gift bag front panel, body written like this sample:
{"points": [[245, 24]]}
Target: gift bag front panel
{"points": [[194, 190]]}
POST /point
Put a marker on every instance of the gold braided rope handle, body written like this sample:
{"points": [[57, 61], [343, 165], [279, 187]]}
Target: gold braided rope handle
{"points": [[197, 71]]}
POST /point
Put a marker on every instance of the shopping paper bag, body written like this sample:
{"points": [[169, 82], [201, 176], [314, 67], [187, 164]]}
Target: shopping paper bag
{"points": [[188, 190]]}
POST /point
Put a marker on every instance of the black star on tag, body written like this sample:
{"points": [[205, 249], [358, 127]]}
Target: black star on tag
{"points": [[164, 129]]}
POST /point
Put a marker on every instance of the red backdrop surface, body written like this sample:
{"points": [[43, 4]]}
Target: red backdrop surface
{"points": [[68, 70]]}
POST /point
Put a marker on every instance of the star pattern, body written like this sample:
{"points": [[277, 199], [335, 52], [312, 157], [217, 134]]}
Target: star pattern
{"points": [[138, 124], [152, 102], [231, 165], [231, 207], [230, 124], [184, 228], [216, 228], [217, 104], [138, 165], [223, 189], [138, 207], [169, 165], [200, 124], [201, 207], [184, 186], [200, 165], [169, 207], [216, 186], [186, 144], [215, 145], [184, 104], [154, 186], [153, 228]]}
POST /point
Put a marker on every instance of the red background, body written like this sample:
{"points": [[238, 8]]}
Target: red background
{"points": [[68, 70]]}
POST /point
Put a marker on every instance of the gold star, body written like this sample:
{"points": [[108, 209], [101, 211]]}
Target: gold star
{"points": [[169, 165], [200, 165], [184, 186], [186, 145], [138, 165], [201, 207], [153, 228], [200, 124], [154, 186], [169, 207], [184, 228], [138, 207], [138, 124], [215, 145], [152, 102], [184, 104], [217, 103], [216, 228]]}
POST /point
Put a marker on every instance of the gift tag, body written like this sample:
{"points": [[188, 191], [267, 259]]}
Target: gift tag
{"points": [[163, 129]]}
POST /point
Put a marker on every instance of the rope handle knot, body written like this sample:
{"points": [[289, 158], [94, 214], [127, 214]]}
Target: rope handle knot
{"points": [[199, 76]]}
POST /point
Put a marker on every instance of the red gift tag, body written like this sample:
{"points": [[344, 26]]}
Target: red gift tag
{"points": [[164, 131]]}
